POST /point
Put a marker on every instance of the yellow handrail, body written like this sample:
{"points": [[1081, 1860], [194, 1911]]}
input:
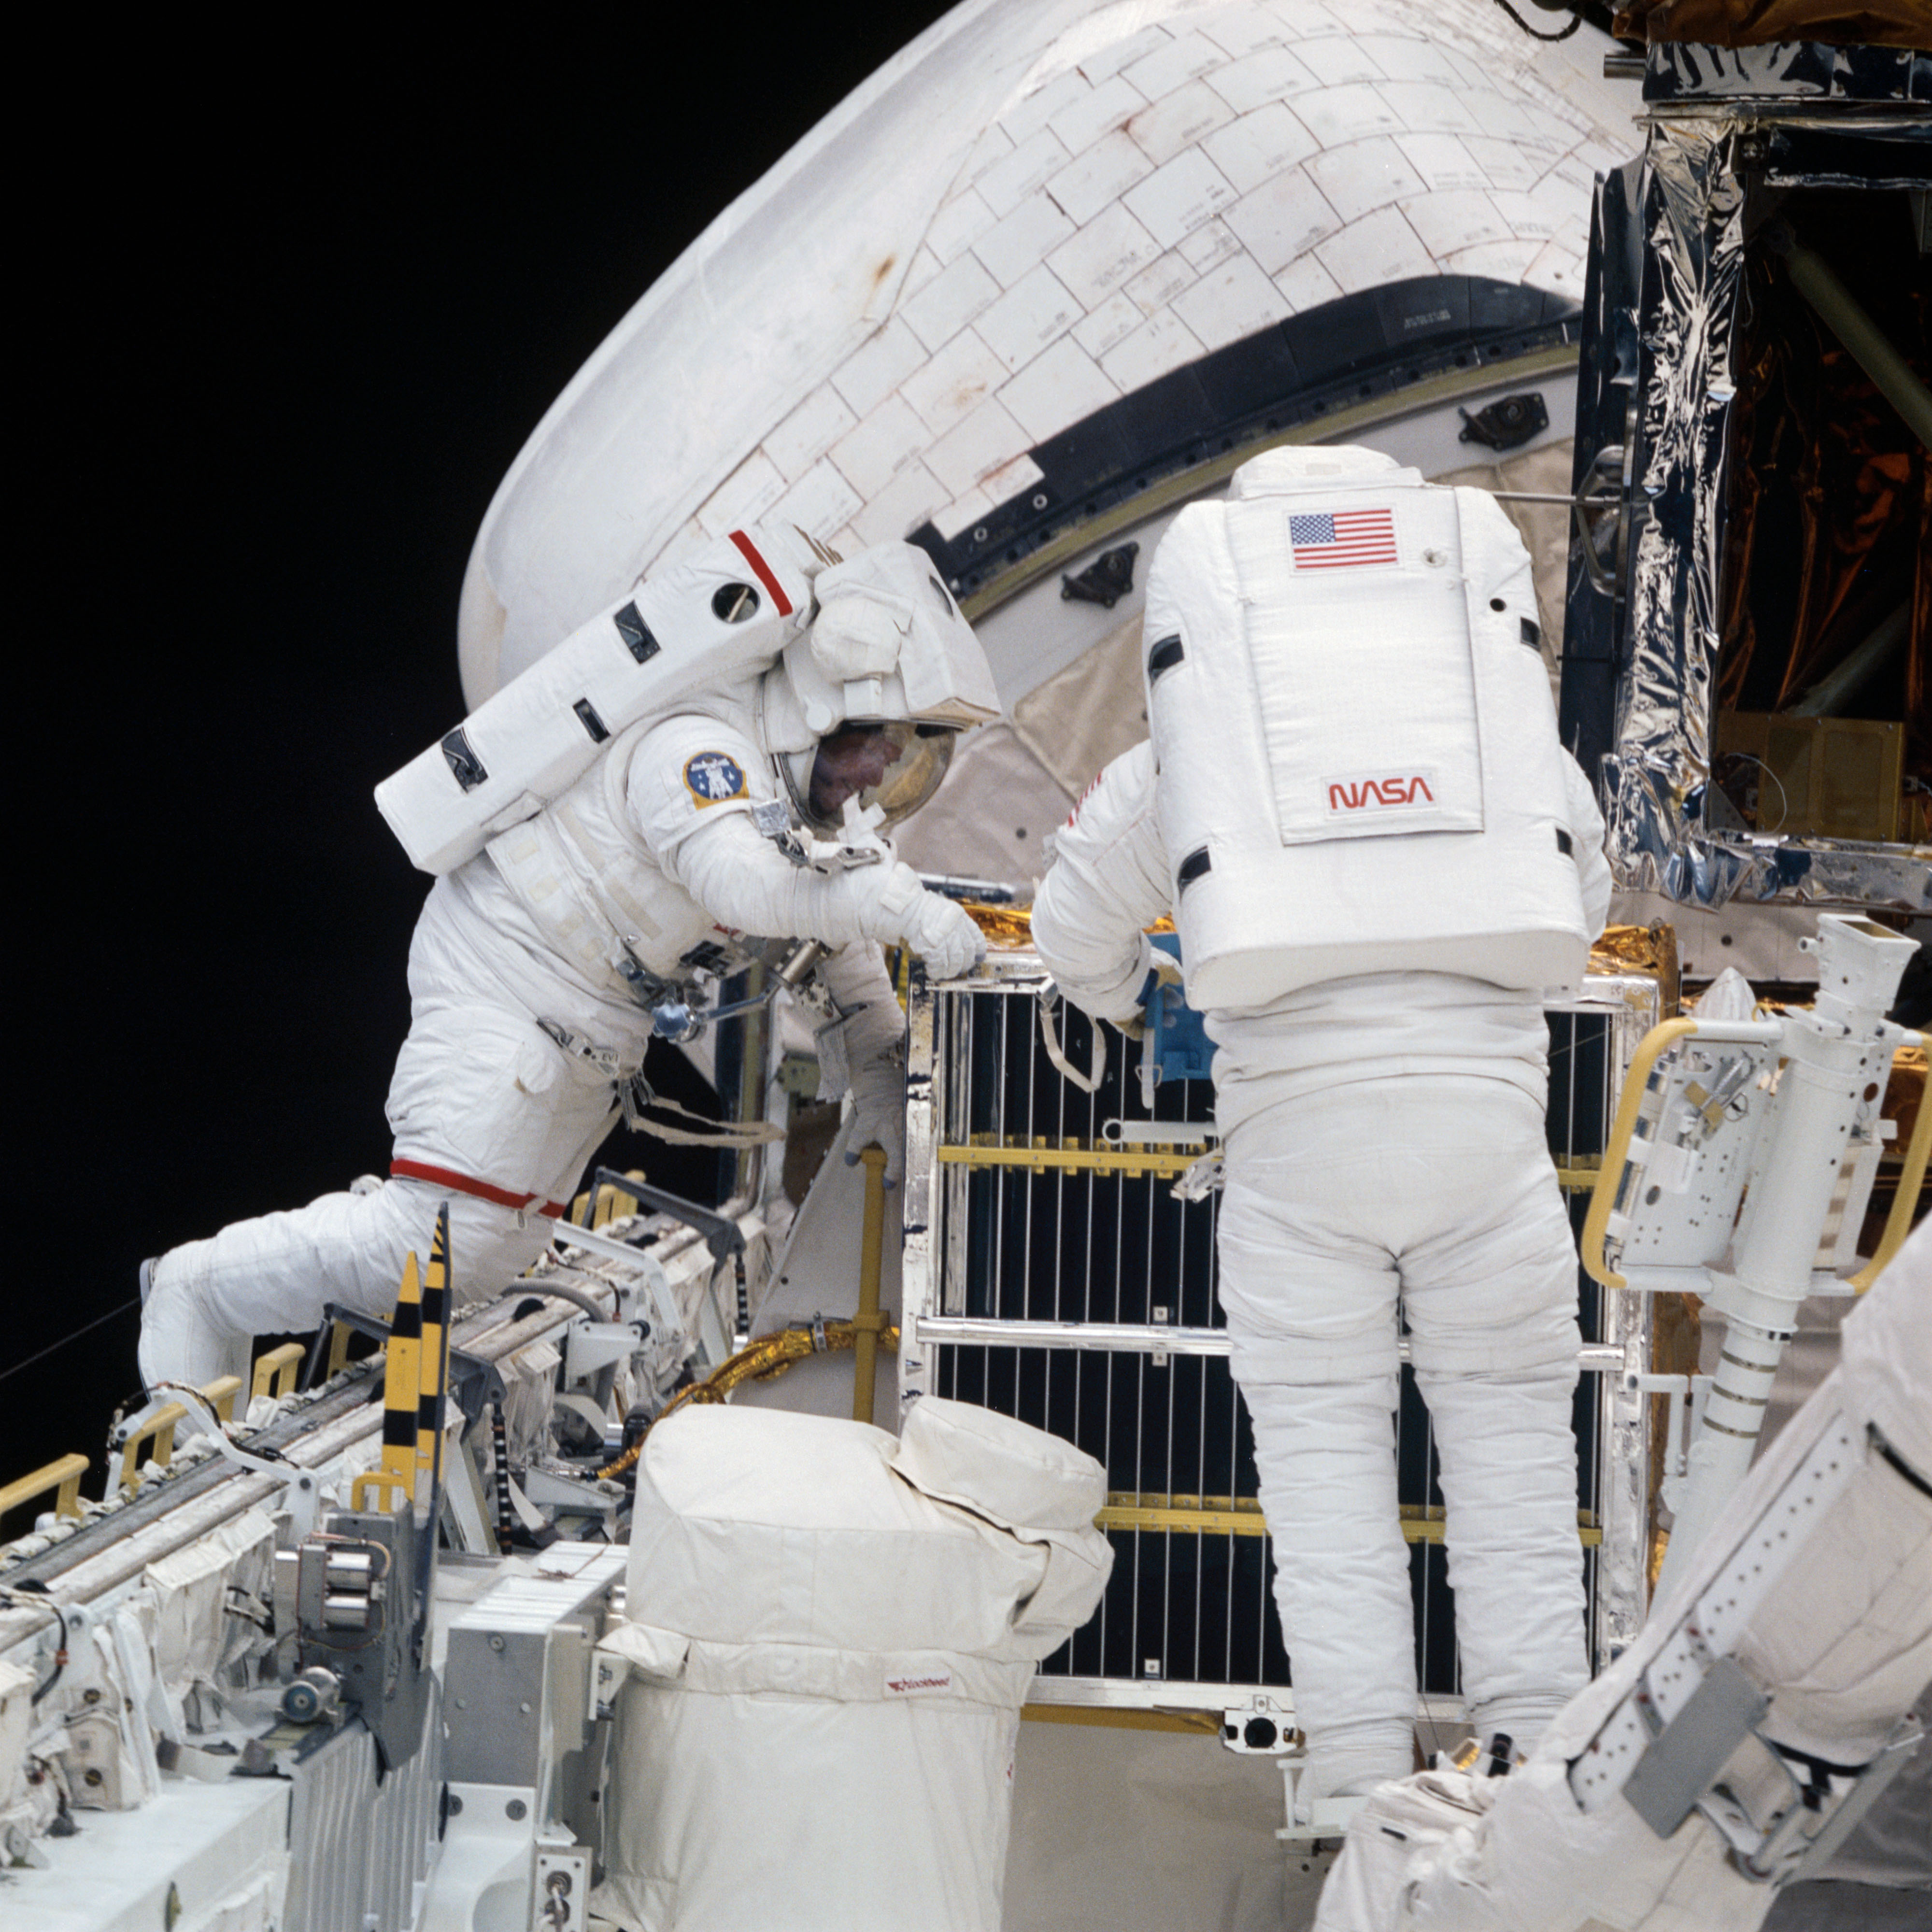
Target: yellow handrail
{"points": [[1650, 1048], [275, 1373], [1898, 1222], [62, 1475], [868, 1322], [159, 1428]]}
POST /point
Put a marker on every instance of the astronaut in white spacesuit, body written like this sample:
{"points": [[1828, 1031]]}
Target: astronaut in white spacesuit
{"points": [[1356, 805], [540, 965]]}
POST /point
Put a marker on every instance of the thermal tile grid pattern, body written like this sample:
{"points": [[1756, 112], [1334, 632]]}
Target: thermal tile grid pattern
{"points": [[1147, 203]]}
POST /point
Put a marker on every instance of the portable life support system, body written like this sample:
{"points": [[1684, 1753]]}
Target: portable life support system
{"points": [[1359, 761], [722, 615]]}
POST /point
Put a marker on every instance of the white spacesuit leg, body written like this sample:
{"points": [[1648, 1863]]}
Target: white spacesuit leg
{"points": [[273, 1274], [480, 1092], [1311, 1309], [1442, 1186], [1491, 1305]]}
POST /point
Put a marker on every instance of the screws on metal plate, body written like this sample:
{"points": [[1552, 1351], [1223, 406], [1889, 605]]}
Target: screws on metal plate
{"points": [[516, 1808], [496, 1643]]}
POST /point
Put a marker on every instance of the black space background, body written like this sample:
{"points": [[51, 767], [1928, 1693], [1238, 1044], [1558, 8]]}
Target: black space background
{"points": [[282, 323]]}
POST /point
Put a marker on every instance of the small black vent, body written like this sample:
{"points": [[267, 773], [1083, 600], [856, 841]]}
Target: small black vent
{"points": [[1564, 845], [1193, 867], [1531, 636], [1164, 655], [463, 761], [636, 634], [586, 716]]}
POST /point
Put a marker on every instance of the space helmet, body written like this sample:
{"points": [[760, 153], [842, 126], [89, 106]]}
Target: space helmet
{"points": [[867, 702]]}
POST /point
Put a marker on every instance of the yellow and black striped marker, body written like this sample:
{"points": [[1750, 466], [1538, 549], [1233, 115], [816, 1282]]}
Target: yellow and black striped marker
{"points": [[402, 1380], [434, 1371]]}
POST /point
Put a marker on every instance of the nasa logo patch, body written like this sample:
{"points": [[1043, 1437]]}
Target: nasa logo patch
{"points": [[711, 778]]}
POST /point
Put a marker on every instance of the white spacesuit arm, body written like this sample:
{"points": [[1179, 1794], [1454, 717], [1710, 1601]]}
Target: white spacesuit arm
{"points": [[745, 882], [1109, 880], [1586, 834]]}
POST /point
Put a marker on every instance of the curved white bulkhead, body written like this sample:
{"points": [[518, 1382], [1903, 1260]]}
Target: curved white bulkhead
{"points": [[1038, 208]]}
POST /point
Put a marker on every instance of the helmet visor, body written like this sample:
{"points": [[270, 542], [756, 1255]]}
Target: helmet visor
{"points": [[898, 765]]}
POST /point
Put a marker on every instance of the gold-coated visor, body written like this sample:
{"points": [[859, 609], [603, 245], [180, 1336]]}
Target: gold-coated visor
{"points": [[898, 765]]}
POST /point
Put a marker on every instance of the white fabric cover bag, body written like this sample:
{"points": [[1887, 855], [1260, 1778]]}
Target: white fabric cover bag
{"points": [[1360, 770], [830, 1633]]}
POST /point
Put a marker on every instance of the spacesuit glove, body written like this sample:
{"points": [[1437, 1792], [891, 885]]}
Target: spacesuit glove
{"points": [[942, 935], [878, 1114], [1162, 970]]}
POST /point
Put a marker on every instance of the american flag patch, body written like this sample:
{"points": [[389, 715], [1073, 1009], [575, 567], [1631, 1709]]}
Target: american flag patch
{"points": [[1334, 539]]}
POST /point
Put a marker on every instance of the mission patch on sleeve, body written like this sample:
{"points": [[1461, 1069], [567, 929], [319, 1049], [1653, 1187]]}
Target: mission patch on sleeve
{"points": [[711, 778]]}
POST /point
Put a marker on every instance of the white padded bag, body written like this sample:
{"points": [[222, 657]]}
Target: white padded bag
{"points": [[1359, 765], [830, 1633]]}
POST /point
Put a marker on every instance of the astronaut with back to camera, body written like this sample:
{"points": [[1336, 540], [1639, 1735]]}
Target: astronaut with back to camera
{"points": [[1346, 644], [718, 714]]}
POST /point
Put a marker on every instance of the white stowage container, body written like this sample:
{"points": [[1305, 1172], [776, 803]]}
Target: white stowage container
{"points": [[830, 1633], [1360, 768], [725, 613]]}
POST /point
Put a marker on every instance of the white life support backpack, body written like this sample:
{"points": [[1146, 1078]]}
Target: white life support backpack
{"points": [[1359, 770], [724, 613]]}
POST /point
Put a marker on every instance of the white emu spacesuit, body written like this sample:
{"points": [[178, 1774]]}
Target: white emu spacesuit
{"points": [[625, 863], [1356, 805]]}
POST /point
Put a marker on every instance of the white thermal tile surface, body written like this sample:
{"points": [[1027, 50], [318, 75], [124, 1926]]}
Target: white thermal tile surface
{"points": [[1153, 349], [964, 456], [1458, 218], [809, 431], [1160, 281], [950, 300], [1097, 111], [1020, 242], [1167, 68], [1057, 389], [820, 502], [1116, 318], [1257, 78], [1443, 160], [869, 453], [1259, 144], [1101, 174], [1180, 196], [1013, 177], [878, 365], [1027, 317], [1284, 217], [1177, 121], [912, 496], [1305, 283], [1103, 255], [958, 378], [1364, 175], [959, 222], [1229, 302], [1380, 247], [745, 496], [1334, 115]]}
